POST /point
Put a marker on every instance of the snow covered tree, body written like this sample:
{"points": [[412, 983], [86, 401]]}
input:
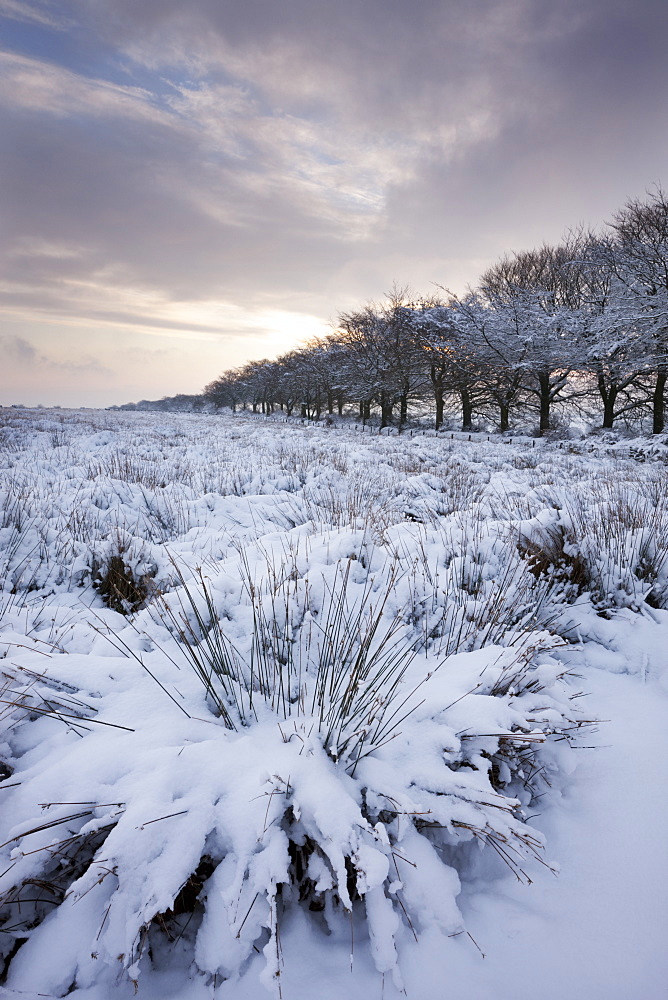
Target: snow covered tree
{"points": [[494, 337], [611, 345], [451, 363], [637, 254], [538, 292], [383, 360], [225, 390]]}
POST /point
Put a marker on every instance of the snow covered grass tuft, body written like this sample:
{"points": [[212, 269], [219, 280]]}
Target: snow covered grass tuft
{"points": [[275, 815], [609, 540], [248, 675], [334, 660]]}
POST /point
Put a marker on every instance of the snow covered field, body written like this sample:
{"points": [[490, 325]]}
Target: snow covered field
{"points": [[301, 711]]}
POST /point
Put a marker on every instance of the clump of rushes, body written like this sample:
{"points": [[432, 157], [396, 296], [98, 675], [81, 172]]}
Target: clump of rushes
{"points": [[328, 766], [611, 543], [344, 671]]}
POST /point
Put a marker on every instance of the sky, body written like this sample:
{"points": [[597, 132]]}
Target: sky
{"points": [[186, 186]]}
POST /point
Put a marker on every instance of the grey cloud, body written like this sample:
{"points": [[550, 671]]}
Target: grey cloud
{"points": [[19, 349], [302, 154], [380, 55], [152, 205], [25, 355]]}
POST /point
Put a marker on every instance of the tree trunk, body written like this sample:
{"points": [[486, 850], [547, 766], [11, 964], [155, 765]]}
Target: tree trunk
{"points": [[438, 397], [504, 415], [467, 409], [304, 411], [403, 409], [385, 410], [609, 411], [340, 405], [436, 378], [544, 383], [330, 401], [658, 400], [608, 396]]}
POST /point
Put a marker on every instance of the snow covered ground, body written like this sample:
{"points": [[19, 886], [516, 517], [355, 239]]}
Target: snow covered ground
{"points": [[298, 710]]}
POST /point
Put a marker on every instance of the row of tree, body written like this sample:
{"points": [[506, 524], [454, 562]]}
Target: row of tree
{"points": [[585, 321]]}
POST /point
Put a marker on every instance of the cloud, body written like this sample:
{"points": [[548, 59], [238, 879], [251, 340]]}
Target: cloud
{"points": [[216, 169], [34, 85], [25, 355], [37, 13], [19, 349]]}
